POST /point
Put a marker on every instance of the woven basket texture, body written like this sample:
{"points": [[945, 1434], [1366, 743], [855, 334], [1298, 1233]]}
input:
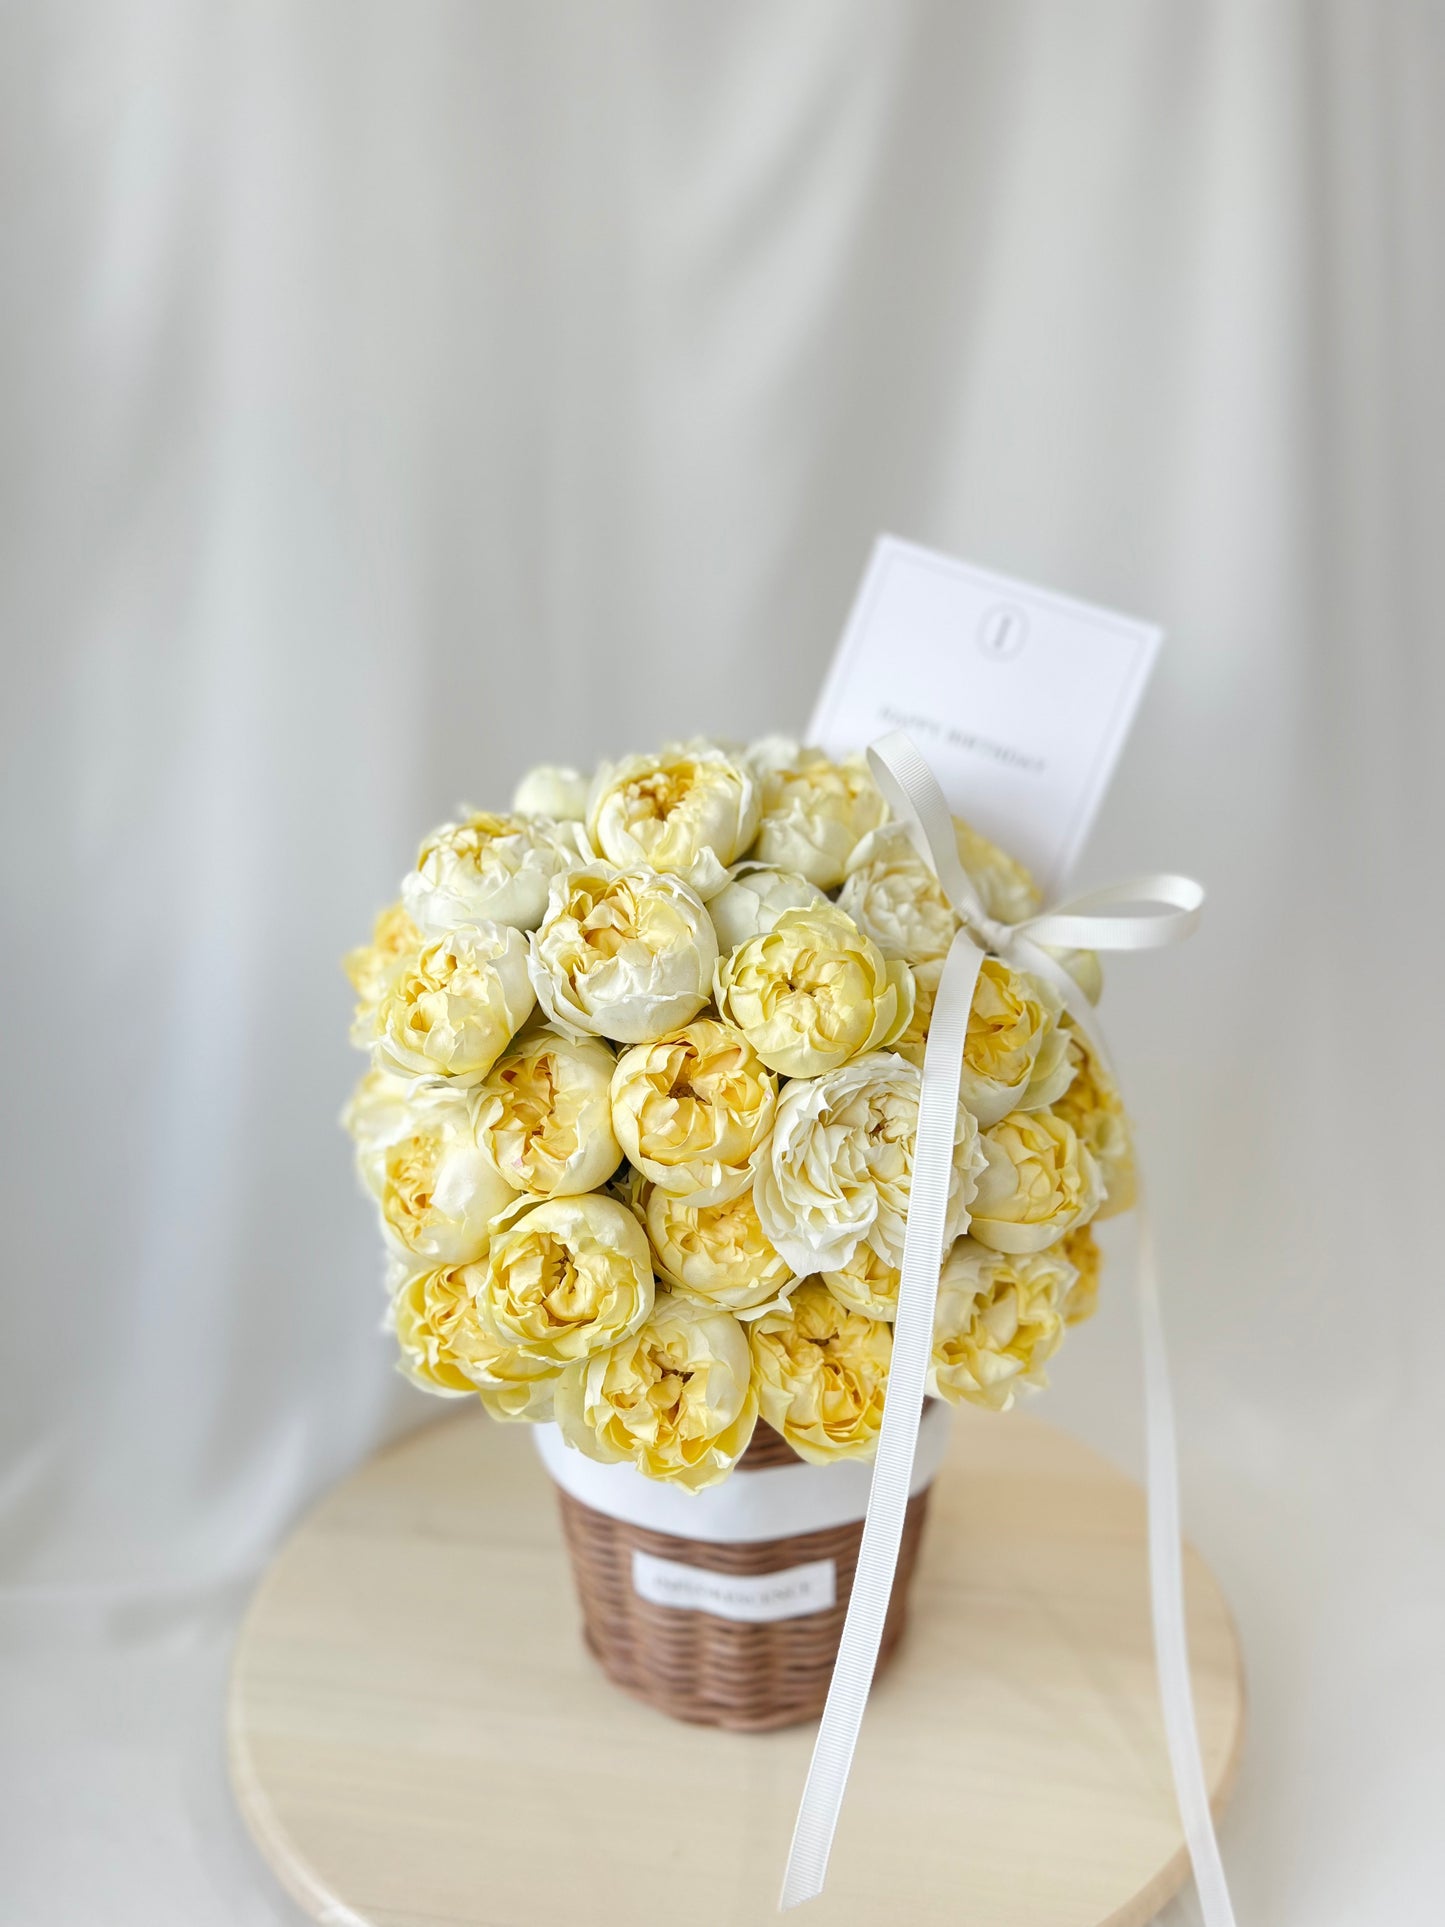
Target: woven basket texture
{"points": [[720, 1672]]}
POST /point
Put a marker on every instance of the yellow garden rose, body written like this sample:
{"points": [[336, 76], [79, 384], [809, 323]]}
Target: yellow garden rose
{"points": [[1016, 1053], [714, 1254], [839, 1166], [437, 1190], [822, 1374], [998, 1319], [446, 1349], [1009, 893], [451, 1007], [552, 790], [867, 1283], [815, 811], [753, 898], [1038, 1182], [912, 1042], [544, 1114], [625, 954], [1081, 1250], [1083, 966], [488, 869], [674, 1398], [1092, 1105], [566, 1278], [690, 1110], [378, 1112], [369, 967], [690, 811], [893, 896], [813, 992]]}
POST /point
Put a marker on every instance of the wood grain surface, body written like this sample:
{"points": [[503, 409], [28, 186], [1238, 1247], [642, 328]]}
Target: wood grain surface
{"points": [[418, 1738]]}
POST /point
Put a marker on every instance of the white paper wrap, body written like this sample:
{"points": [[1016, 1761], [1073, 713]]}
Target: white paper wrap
{"points": [[773, 1503]]}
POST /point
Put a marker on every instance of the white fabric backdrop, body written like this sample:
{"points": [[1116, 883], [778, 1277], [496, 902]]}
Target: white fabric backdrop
{"points": [[399, 394]]}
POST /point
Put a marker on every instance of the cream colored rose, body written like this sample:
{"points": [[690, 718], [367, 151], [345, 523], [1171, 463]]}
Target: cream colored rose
{"points": [[822, 1374], [753, 899], [1092, 1105], [689, 811], [626, 954], [552, 790], [815, 812], [675, 1398], [370, 966], [1083, 966], [713, 1254], [437, 1190], [839, 1166], [893, 896], [813, 992], [914, 1040], [378, 1112], [488, 869], [997, 1321], [1009, 893], [690, 1110], [868, 1283], [1016, 1052], [1038, 1183], [1080, 1249], [445, 1348], [451, 1008], [544, 1114], [566, 1278]]}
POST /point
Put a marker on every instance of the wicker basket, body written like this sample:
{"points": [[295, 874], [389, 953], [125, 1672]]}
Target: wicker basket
{"points": [[697, 1665]]}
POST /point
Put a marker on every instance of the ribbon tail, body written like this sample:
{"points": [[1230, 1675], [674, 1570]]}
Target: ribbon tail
{"points": [[903, 1406], [1166, 1593]]}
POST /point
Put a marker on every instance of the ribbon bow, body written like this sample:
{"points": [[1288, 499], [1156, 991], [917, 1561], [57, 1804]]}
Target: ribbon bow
{"points": [[1144, 913]]}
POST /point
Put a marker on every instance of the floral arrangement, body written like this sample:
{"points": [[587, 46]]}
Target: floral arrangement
{"points": [[645, 1070]]}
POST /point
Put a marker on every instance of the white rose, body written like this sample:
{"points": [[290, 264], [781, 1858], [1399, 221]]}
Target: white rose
{"points": [[488, 869], [893, 896], [552, 790], [689, 811], [838, 1168], [378, 1112], [769, 754], [751, 902], [544, 1114], [626, 954], [437, 1190], [815, 813], [451, 1008]]}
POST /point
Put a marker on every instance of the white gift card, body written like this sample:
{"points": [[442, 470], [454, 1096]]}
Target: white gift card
{"points": [[1019, 698]]}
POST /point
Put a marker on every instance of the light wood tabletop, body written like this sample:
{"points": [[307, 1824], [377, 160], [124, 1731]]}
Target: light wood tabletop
{"points": [[419, 1739]]}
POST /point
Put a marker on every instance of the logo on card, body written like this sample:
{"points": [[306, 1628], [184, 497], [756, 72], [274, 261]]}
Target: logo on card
{"points": [[1003, 631]]}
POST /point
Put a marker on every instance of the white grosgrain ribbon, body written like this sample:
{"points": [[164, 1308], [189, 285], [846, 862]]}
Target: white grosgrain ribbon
{"points": [[1144, 913]]}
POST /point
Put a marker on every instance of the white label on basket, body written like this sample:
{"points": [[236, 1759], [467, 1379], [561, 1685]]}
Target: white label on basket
{"points": [[789, 1594]]}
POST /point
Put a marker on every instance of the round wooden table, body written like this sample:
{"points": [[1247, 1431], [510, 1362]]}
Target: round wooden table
{"points": [[419, 1739]]}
